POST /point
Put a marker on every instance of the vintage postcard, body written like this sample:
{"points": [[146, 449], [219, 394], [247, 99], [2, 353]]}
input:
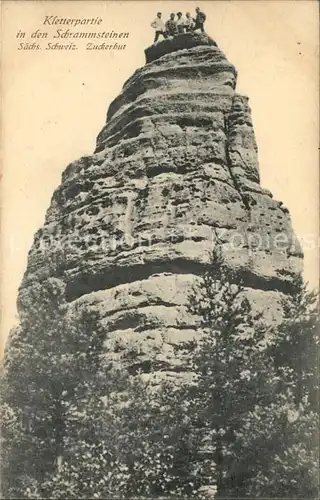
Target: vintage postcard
{"points": [[159, 249]]}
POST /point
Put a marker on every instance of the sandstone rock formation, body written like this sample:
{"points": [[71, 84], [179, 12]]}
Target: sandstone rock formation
{"points": [[175, 172]]}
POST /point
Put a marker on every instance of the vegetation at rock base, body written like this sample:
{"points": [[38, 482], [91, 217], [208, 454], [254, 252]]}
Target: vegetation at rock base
{"points": [[262, 425], [246, 421]]}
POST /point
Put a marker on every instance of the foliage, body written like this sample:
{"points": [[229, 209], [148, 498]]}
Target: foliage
{"points": [[55, 379], [256, 394], [296, 349], [33, 388], [161, 440], [246, 421]]}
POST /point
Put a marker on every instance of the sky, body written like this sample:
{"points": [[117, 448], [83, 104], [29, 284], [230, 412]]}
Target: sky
{"points": [[54, 104]]}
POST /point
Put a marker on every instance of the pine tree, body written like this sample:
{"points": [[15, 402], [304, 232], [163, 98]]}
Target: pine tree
{"points": [[292, 466], [73, 426], [232, 375], [160, 442], [56, 431], [33, 390], [248, 388], [296, 347]]}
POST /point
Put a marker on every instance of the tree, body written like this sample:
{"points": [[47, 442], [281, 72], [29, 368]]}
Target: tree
{"points": [[296, 346], [232, 376], [161, 441], [281, 442], [248, 388], [55, 379], [33, 389], [292, 468], [183, 435], [74, 426]]}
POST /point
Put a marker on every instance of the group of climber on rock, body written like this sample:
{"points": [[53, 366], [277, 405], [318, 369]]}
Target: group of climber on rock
{"points": [[174, 26]]}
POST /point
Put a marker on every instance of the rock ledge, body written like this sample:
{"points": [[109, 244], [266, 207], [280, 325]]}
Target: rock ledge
{"points": [[179, 42]]}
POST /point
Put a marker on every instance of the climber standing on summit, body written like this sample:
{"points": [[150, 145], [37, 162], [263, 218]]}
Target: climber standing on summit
{"points": [[180, 22], [199, 20], [189, 23], [171, 25], [159, 27]]}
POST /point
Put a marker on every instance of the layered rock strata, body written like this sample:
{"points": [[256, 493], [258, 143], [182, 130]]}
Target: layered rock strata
{"points": [[175, 172]]}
